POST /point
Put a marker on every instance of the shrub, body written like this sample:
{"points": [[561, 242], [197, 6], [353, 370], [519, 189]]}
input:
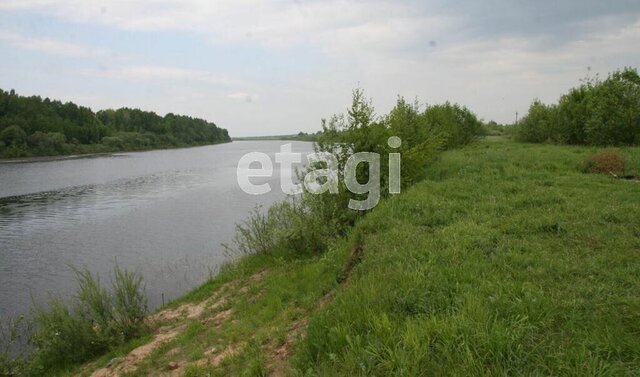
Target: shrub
{"points": [[539, 124], [423, 134], [13, 140], [255, 235], [493, 129], [14, 151], [458, 123], [13, 136], [287, 224], [129, 303], [614, 110], [64, 336], [606, 162], [305, 231], [113, 142], [50, 143], [598, 112], [94, 321], [305, 224]]}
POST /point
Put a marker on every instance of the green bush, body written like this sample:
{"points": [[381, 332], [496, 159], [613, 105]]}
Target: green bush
{"points": [[255, 235], [47, 144], [304, 225], [422, 133], [493, 129], [96, 320], [538, 125], [13, 142], [14, 151], [113, 142], [596, 113], [288, 224], [457, 123], [13, 136], [614, 110]]}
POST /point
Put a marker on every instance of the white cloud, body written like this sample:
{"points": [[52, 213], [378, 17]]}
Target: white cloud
{"points": [[183, 84], [52, 46], [241, 96], [156, 72]]}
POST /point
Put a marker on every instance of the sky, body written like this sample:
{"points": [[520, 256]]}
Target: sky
{"points": [[279, 67]]}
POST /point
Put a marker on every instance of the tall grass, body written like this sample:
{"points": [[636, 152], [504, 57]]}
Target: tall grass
{"points": [[13, 354], [290, 224], [95, 320]]}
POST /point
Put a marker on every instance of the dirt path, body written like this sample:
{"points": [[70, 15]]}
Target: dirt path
{"points": [[176, 322], [170, 324]]}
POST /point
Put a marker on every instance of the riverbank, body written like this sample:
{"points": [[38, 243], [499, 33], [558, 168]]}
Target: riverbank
{"points": [[293, 137], [505, 260], [110, 153]]}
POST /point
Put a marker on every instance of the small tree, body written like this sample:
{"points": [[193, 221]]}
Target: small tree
{"points": [[614, 110], [50, 143], [539, 124]]}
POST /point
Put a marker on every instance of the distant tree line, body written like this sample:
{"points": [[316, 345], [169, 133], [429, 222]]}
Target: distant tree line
{"points": [[32, 126], [598, 112], [300, 136]]}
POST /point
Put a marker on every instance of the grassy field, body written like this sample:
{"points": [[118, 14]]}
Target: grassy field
{"points": [[507, 260]]}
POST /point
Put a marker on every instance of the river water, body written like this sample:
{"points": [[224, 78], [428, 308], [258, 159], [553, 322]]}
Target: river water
{"points": [[163, 213]]}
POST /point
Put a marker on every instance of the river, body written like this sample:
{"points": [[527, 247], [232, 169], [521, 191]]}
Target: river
{"points": [[163, 213]]}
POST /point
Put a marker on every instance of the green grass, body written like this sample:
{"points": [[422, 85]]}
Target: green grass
{"points": [[505, 261]]}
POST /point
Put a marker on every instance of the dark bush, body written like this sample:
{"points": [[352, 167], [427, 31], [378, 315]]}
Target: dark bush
{"points": [[51, 143], [13, 136]]}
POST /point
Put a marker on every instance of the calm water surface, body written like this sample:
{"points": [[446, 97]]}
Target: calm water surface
{"points": [[162, 213]]}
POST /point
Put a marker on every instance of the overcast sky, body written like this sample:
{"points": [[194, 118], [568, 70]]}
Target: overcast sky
{"points": [[278, 67]]}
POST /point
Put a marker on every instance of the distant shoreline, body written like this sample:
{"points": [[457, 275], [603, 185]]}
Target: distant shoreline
{"points": [[26, 160], [293, 137]]}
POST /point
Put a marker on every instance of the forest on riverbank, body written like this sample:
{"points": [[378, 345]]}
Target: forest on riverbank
{"points": [[33, 126]]}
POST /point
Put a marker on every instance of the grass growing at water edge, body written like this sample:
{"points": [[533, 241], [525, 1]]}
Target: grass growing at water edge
{"points": [[96, 320]]}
